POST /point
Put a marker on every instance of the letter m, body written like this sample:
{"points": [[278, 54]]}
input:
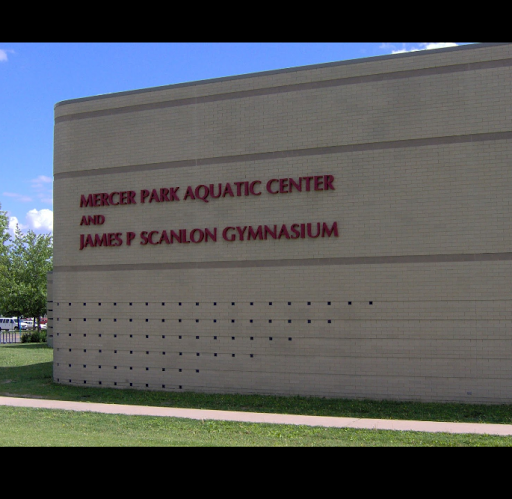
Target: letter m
{"points": [[100, 240], [326, 231], [255, 235], [86, 202]]}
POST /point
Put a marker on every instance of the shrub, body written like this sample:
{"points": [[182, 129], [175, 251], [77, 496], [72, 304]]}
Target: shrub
{"points": [[34, 337]]}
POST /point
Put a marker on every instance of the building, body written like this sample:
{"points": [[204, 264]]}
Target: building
{"points": [[337, 230]]}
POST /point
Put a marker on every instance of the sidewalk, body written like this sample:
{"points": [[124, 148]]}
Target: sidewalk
{"points": [[253, 417]]}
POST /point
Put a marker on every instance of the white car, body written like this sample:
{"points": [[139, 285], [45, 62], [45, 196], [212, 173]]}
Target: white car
{"points": [[8, 323]]}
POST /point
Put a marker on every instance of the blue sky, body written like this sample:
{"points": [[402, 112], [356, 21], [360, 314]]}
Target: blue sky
{"points": [[35, 76]]}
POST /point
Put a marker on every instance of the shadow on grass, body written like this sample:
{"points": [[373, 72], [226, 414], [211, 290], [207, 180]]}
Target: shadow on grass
{"points": [[42, 371], [27, 346]]}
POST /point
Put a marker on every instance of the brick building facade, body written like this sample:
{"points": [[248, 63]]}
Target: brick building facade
{"points": [[338, 230]]}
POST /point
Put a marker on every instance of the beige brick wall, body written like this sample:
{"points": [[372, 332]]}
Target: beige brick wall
{"points": [[410, 302], [49, 309]]}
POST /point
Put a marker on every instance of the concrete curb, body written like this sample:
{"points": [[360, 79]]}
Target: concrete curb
{"points": [[253, 417]]}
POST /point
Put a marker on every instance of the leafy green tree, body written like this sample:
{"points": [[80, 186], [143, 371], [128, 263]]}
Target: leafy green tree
{"points": [[23, 274], [4, 249], [5, 238], [4, 231]]}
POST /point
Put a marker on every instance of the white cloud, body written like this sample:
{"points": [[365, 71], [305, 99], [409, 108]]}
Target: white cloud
{"points": [[439, 45], [39, 182], [19, 197], [40, 219], [45, 198], [422, 46], [13, 221], [3, 54], [42, 186]]}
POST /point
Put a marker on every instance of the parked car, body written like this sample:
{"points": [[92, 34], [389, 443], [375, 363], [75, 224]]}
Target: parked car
{"points": [[29, 323], [43, 326], [8, 323]]}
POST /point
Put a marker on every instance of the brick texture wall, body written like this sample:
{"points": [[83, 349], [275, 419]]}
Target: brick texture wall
{"points": [[408, 299]]}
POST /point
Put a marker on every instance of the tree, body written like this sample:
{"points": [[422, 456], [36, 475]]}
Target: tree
{"points": [[4, 235], [25, 265], [4, 250]]}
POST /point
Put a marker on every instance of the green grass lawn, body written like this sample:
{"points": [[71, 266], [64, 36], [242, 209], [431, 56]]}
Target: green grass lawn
{"points": [[24, 427], [26, 371]]}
